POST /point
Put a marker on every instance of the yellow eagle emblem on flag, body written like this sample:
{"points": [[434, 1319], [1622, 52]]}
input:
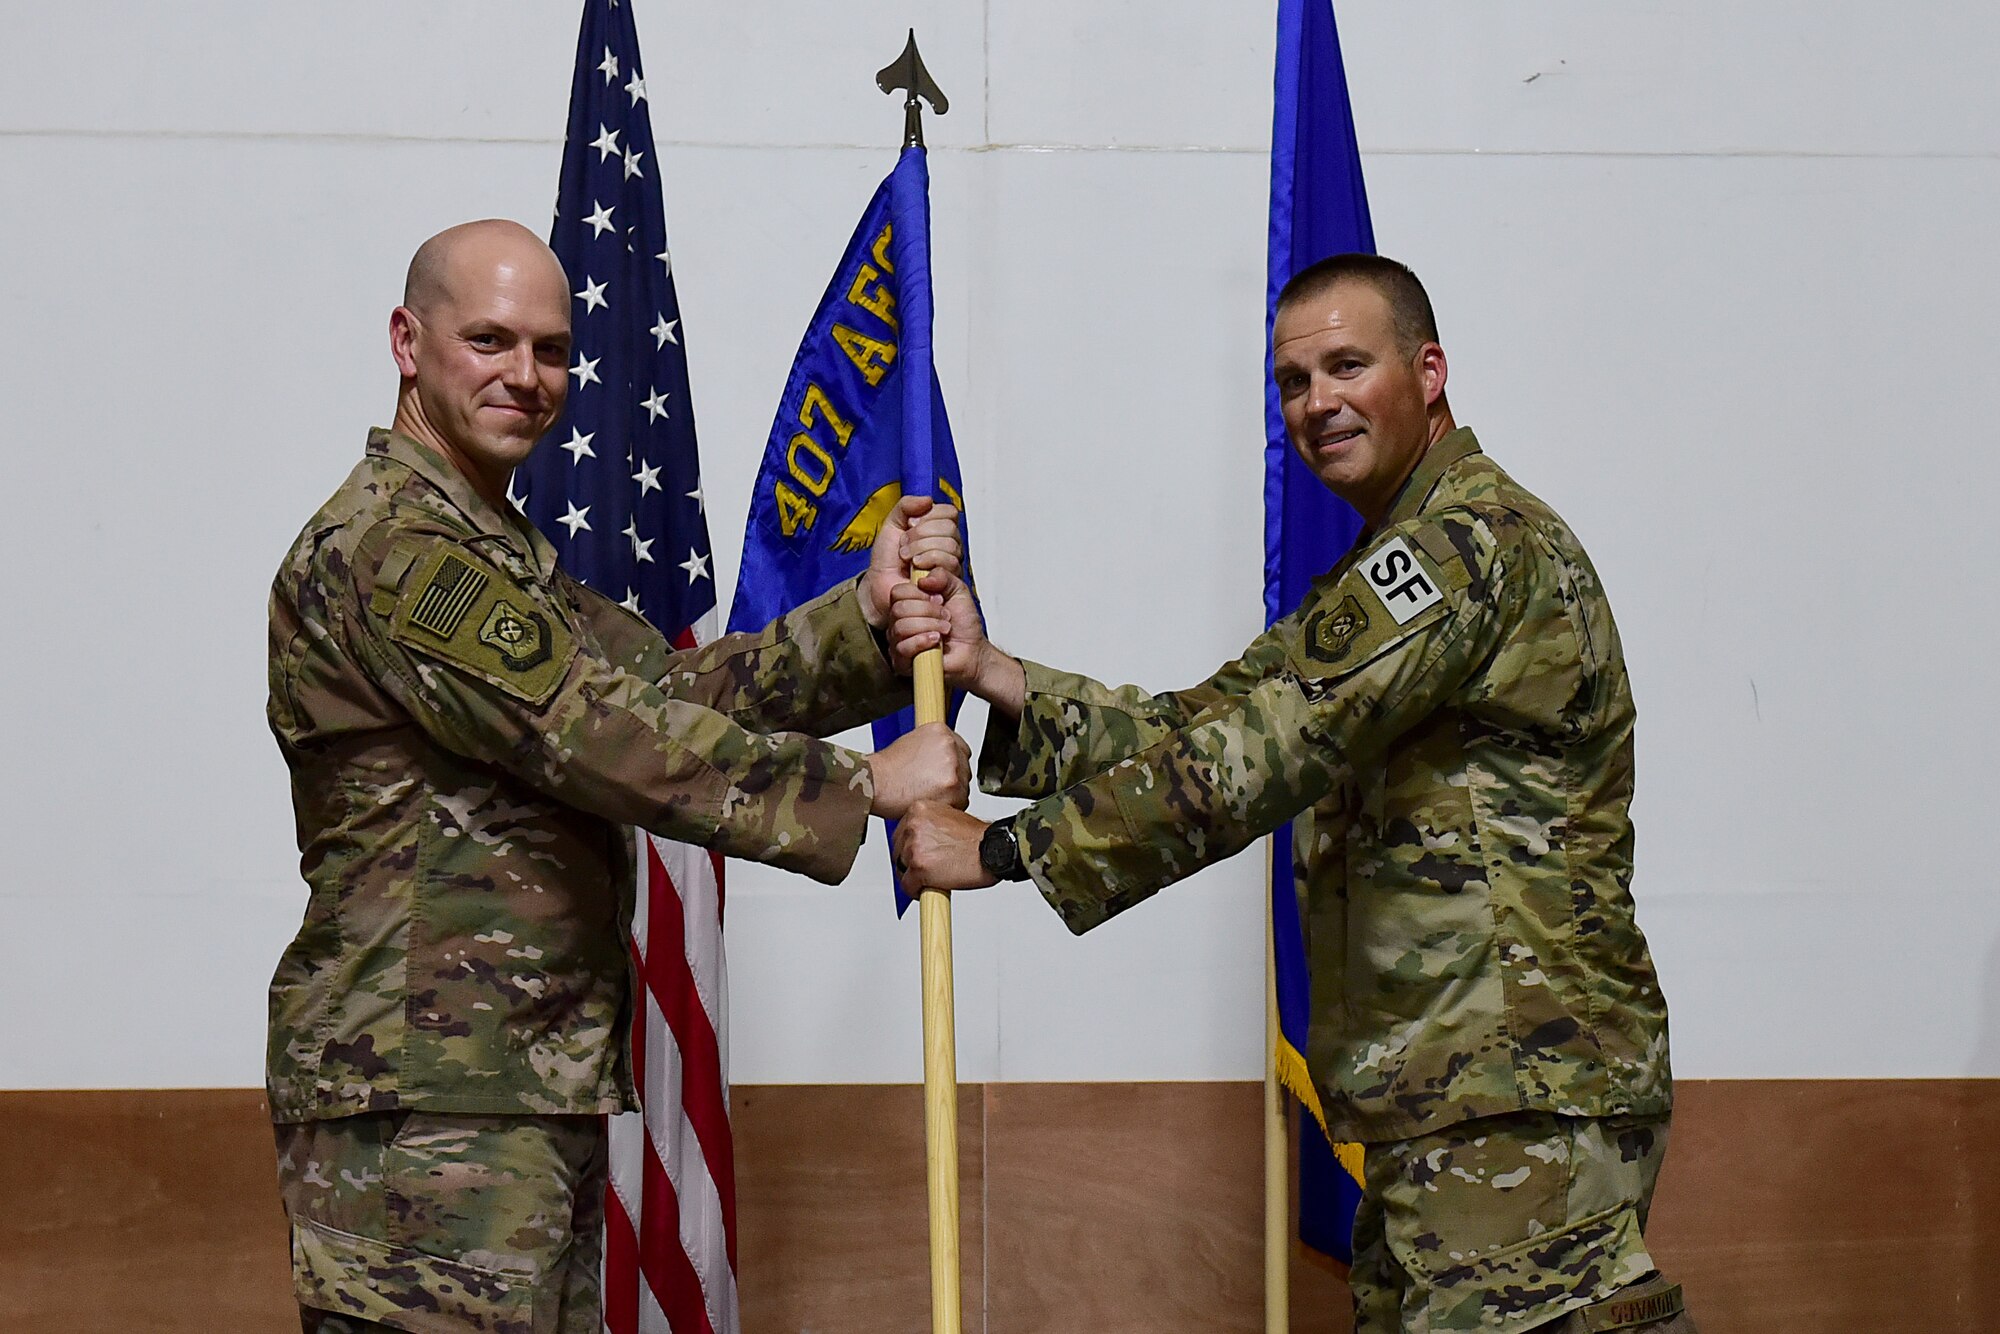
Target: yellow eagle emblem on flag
{"points": [[860, 532]]}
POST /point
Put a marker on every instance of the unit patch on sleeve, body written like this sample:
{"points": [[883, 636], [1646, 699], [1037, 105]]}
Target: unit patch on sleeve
{"points": [[520, 637], [1330, 634], [458, 609], [1393, 573], [1343, 631]]}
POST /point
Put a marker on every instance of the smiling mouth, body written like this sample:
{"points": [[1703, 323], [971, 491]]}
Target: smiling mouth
{"points": [[1336, 439]]}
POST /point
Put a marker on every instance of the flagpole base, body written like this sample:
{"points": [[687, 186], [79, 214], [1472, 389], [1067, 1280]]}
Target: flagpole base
{"points": [[941, 1110], [1277, 1183]]}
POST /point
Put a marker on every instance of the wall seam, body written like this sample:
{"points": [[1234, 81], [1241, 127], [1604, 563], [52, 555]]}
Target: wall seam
{"points": [[358, 138]]}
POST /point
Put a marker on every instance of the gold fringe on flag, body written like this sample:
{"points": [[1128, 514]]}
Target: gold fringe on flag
{"points": [[1292, 1073]]}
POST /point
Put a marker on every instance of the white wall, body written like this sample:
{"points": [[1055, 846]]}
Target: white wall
{"points": [[1715, 278]]}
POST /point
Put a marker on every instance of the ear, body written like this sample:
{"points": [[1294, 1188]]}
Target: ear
{"points": [[1431, 369], [403, 333]]}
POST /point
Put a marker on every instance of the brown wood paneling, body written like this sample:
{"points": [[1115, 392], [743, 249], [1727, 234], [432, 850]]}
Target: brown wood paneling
{"points": [[832, 1212], [1321, 1302], [1119, 1208], [151, 1210], [1835, 1205], [1810, 1206]]}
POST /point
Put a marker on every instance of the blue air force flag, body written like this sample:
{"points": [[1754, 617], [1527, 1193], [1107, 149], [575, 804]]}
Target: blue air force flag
{"points": [[861, 421], [1319, 207]]}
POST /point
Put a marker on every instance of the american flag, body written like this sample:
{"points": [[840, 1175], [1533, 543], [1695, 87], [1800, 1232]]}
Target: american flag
{"points": [[616, 486]]}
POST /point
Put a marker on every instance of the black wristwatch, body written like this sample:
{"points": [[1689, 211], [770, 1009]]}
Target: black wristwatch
{"points": [[1000, 852]]}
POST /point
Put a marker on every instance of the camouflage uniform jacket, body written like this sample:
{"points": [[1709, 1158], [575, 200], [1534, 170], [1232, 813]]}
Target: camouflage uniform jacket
{"points": [[1448, 713], [469, 732]]}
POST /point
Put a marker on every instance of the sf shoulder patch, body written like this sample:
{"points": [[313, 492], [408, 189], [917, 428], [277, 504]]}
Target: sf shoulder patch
{"points": [[456, 608], [1387, 596], [1400, 581]]}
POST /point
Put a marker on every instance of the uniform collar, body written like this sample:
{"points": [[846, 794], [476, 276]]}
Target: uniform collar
{"points": [[457, 489], [1430, 470]]}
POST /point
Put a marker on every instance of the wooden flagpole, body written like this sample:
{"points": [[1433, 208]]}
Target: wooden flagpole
{"points": [[907, 74], [1277, 1185]]}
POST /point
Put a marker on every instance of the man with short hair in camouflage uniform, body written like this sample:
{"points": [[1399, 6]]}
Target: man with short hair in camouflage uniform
{"points": [[1448, 718], [470, 731]]}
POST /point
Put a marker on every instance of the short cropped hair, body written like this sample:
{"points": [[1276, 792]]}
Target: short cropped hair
{"points": [[1409, 304]]}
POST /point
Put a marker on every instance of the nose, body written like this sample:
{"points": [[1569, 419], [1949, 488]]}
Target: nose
{"points": [[1323, 397], [518, 371]]}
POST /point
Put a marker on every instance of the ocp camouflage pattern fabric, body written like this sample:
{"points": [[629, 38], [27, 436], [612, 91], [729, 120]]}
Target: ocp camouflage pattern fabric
{"points": [[443, 1224], [469, 732], [1503, 1223], [1449, 717]]}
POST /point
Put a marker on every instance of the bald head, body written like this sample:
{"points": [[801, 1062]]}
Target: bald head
{"points": [[482, 341], [473, 251]]}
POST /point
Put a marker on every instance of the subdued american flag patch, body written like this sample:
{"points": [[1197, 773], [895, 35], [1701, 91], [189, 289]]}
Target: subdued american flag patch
{"points": [[447, 597]]}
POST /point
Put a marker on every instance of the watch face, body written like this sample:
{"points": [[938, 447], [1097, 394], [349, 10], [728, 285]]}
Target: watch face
{"points": [[999, 854]]}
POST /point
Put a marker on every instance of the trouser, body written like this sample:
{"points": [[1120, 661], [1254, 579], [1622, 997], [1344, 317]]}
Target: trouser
{"points": [[1524, 1221], [1651, 1307], [440, 1224]]}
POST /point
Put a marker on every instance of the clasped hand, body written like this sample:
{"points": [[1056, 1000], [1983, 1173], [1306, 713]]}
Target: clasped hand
{"points": [[918, 535], [937, 847], [913, 592], [931, 763]]}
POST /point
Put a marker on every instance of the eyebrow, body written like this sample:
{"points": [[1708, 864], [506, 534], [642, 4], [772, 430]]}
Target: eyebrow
{"points": [[1337, 350], [481, 326]]}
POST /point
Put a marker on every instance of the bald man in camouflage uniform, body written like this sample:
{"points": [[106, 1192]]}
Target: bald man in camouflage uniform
{"points": [[470, 732], [1447, 716]]}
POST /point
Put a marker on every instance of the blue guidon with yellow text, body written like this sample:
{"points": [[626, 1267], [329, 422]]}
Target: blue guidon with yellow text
{"points": [[851, 432], [835, 462]]}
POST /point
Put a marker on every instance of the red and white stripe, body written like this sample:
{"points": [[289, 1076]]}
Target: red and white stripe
{"points": [[670, 1215]]}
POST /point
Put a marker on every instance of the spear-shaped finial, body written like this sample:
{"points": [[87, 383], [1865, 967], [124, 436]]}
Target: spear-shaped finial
{"points": [[906, 73]]}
